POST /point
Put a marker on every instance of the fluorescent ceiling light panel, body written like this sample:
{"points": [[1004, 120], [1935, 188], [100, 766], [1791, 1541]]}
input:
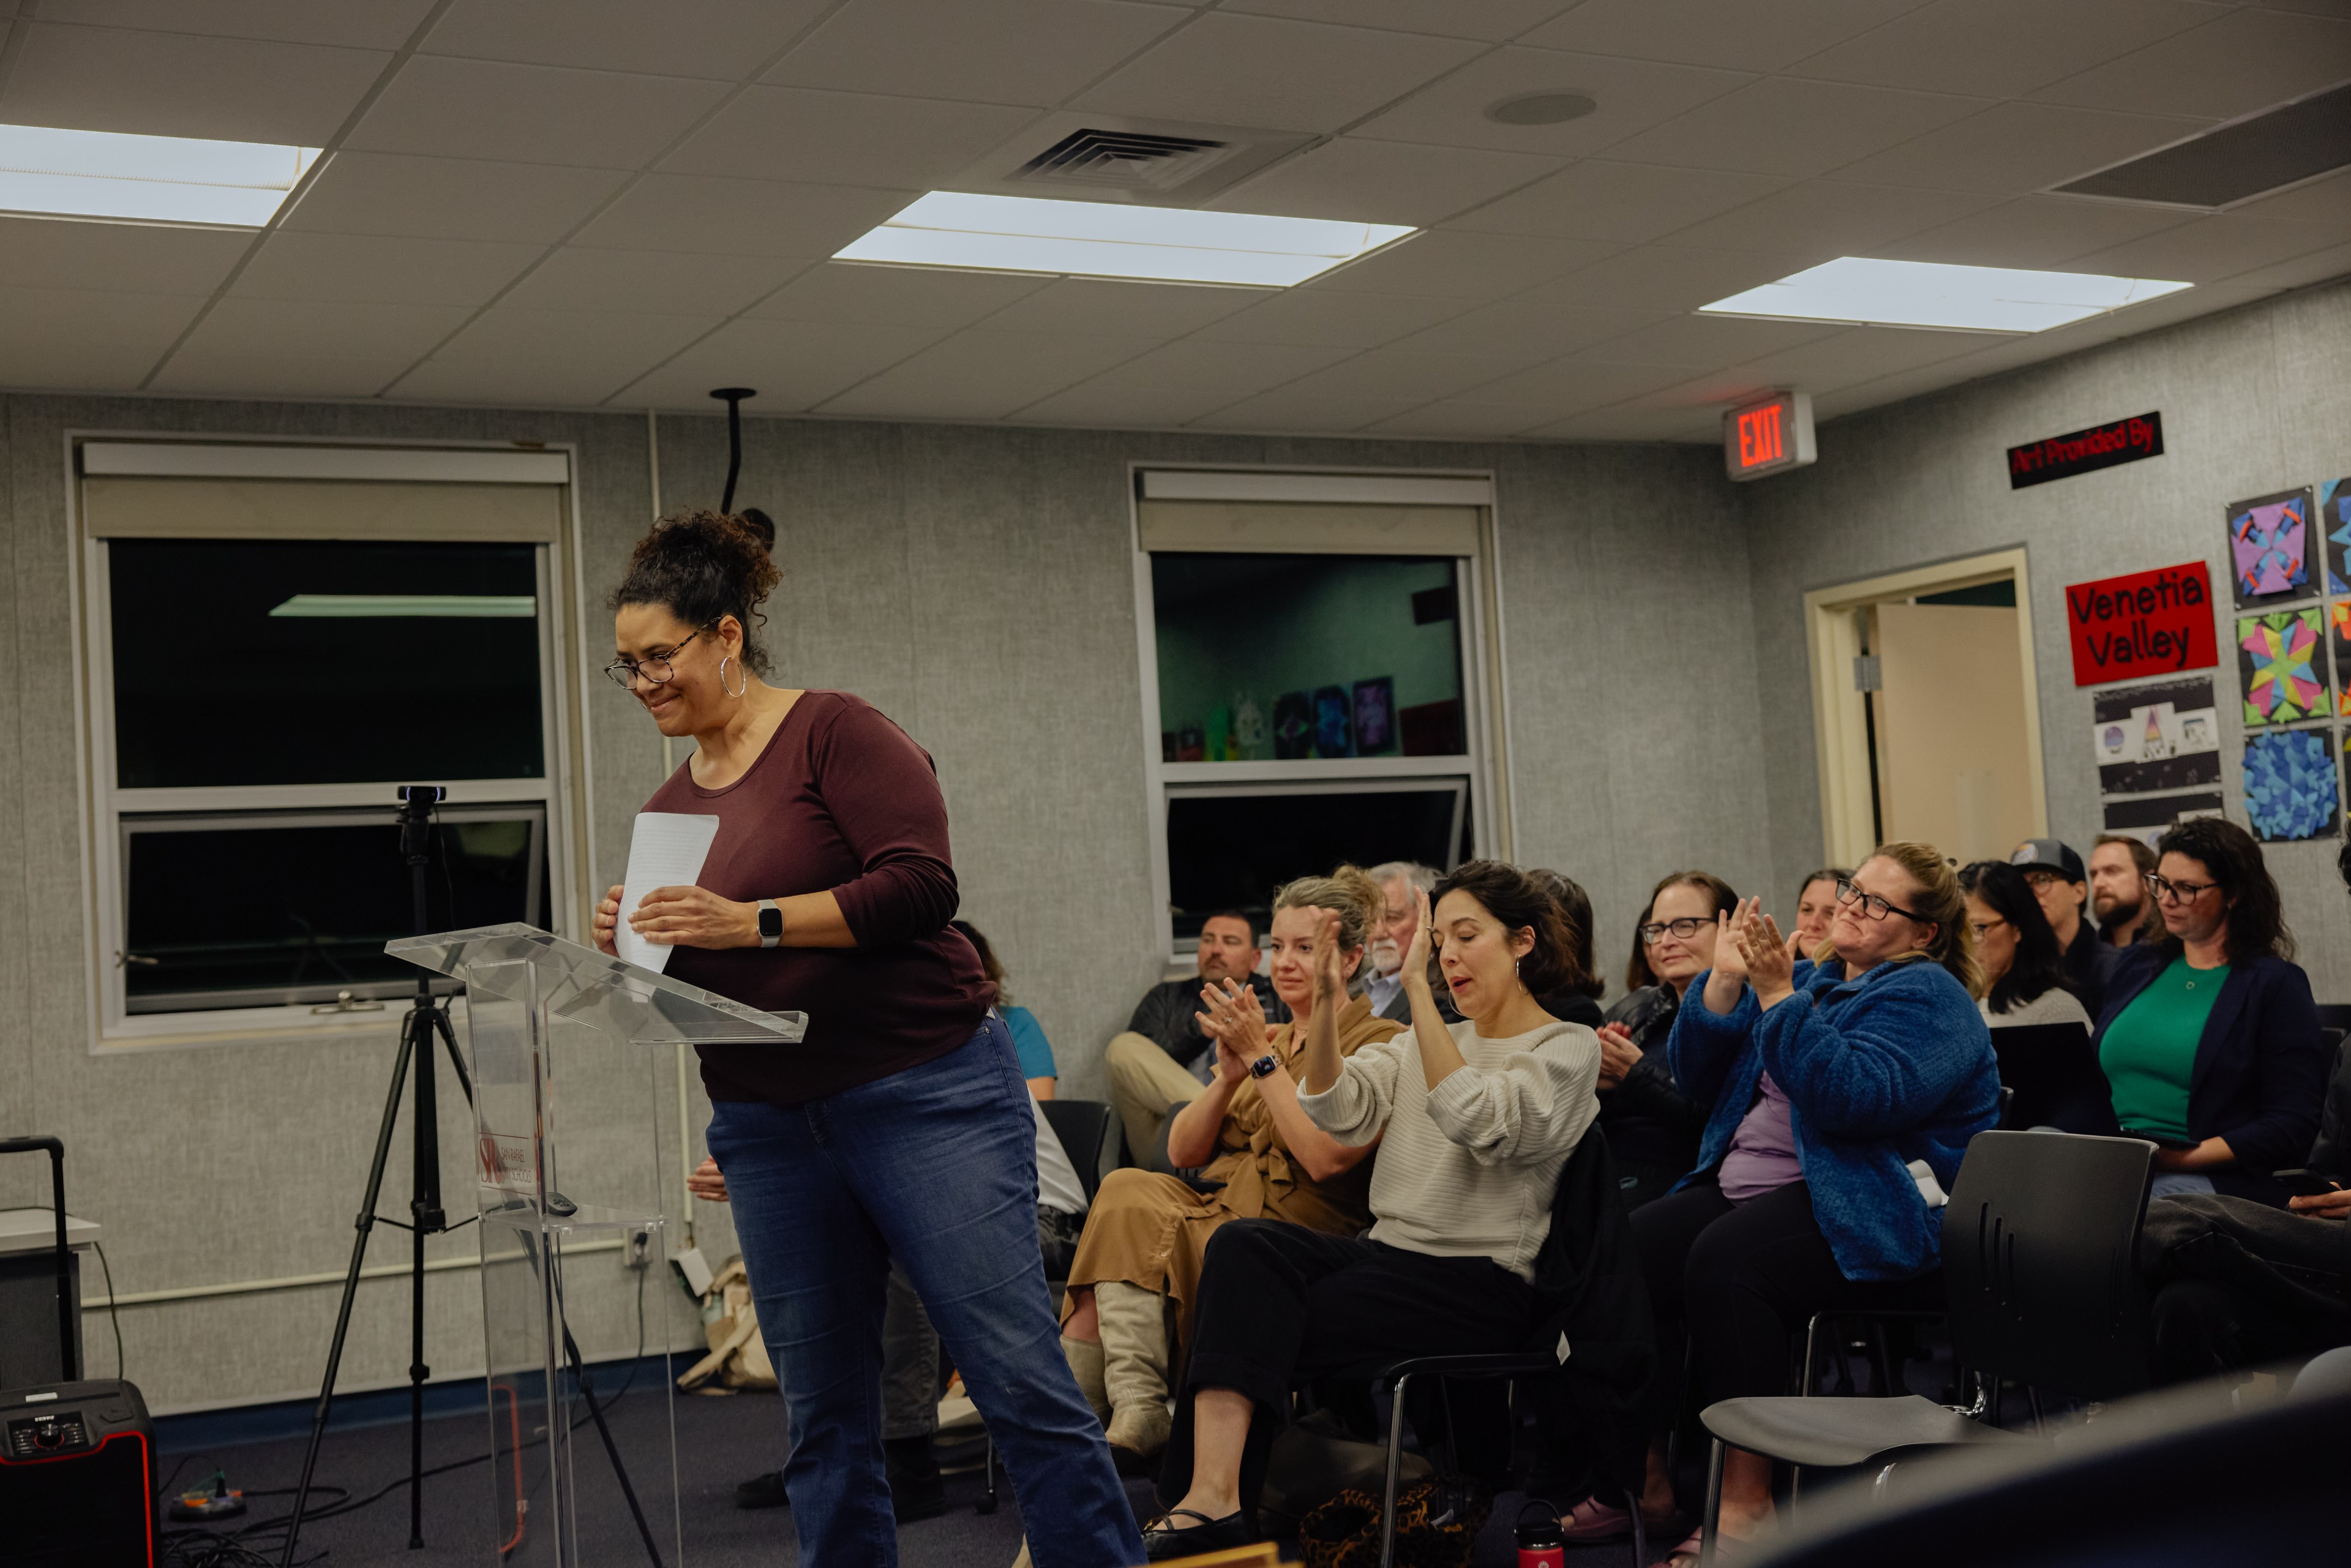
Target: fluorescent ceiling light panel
{"points": [[1934, 294], [1104, 239], [160, 179], [410, 606]]}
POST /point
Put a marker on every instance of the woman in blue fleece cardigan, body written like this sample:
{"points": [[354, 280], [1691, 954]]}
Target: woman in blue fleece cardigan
{"points": [[1845, 1091]]}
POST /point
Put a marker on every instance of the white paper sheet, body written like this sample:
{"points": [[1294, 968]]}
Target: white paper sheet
{"points": [[666, 848]]}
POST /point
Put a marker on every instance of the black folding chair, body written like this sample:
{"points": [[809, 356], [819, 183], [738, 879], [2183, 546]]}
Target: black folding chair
{"points": [[2042, 1283]]}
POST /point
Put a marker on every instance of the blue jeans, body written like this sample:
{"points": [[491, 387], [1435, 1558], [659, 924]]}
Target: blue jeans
{"points": [[935, 1166]]}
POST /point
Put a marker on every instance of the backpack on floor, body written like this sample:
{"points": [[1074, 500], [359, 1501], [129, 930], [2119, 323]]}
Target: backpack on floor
{"points": [[1437, 1523], [738, 1356]]}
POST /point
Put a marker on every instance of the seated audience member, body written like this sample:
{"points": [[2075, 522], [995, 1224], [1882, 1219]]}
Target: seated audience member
{"points": [[2119, 867], [1844, 1092], [1027, 1034], [2209, 1037], [1653, 1127], [2062, 887], [1477, 1119], [1577, 999], [1383, 965], [910, 1345], [1162, 1056], [1815, 906], [2236, 1284], [1142, 1244], [2023, 972]]}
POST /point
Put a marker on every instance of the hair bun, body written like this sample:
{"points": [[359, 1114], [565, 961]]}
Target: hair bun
{"points": [[762, 525]]}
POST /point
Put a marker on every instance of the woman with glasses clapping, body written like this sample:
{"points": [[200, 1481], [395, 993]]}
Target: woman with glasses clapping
{"points": [[1653, 1127], [2209, 1037], [1845, 1091]]}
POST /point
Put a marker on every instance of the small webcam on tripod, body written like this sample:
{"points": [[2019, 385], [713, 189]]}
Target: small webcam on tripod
{"points": [[428, 794]]}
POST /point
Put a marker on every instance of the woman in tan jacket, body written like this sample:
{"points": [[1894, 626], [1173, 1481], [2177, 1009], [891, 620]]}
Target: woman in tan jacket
{"points": [[1146, 1233]]}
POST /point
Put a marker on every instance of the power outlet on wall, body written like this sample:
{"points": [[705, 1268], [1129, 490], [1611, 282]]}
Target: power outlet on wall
{"points": [[637, 1251]]}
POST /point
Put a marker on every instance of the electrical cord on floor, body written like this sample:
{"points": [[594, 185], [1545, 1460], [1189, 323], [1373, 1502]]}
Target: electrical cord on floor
{"points": [[112, 1310]]}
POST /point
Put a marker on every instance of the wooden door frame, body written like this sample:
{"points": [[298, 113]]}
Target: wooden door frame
{"points": [[1840, 725]]}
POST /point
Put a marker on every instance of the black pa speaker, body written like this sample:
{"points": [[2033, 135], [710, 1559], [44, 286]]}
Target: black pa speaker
{"points": [[77, 1477]]}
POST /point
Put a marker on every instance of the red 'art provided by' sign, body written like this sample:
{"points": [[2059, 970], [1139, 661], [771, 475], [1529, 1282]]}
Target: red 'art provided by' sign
{"points": [[2149, 623]]}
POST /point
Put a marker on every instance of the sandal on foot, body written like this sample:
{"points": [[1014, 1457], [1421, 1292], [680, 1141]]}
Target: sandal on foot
{"points": [[1164, 1539], [1686, 1555]]}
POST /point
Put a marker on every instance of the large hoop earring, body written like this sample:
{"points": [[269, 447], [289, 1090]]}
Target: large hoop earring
{"points": [[732, 691]]}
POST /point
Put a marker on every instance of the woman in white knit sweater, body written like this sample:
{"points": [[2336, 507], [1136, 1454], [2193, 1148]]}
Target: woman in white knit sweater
{"points": [[1475, 1122]]}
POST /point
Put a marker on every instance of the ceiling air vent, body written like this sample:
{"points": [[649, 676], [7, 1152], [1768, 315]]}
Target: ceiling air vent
{"points": [[2235, 162], [1114, 158]]}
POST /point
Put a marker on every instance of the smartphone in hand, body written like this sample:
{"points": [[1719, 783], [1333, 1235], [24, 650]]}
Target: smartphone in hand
{"points": [[2303, 1182]]}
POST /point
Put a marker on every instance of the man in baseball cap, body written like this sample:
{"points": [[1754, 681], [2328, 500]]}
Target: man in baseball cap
{"points": [[2062, 888]]}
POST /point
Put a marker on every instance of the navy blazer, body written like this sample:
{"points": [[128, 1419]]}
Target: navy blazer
{"points": [[2260, 1079]]}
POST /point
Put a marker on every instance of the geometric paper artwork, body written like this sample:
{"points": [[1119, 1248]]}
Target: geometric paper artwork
{"points": [[2290, 786], [2161, 736], [2271, 542], [2282, 666], [2334, 523]]}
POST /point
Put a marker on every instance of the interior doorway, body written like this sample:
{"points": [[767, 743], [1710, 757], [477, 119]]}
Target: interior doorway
{"points": [[1926, 709]]}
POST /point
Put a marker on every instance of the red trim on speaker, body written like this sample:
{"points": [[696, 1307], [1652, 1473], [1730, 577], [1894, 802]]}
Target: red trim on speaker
{"points": [[146, 1467]]}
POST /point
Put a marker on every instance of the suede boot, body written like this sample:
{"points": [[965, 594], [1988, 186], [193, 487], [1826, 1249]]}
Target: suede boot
{"points": [[1134, 1372], [1085, 1357]]}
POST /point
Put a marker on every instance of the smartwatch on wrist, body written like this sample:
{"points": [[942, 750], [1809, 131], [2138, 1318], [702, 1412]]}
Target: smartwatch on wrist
{"points": [[771, 924], [1264, 1065]]}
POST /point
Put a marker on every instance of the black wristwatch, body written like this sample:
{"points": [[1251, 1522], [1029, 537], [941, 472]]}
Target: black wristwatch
{"points": [[772, 922], [1264, 1065]]}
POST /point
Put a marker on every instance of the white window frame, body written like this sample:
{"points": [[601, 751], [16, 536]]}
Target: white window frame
{"points": [[563, 793], [1482, 770]]}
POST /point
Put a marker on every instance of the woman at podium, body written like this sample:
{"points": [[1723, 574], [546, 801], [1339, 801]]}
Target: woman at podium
{"points": [[900, 1128]]}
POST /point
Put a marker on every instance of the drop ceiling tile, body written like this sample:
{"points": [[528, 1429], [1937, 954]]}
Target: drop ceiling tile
{"points": [[504, 383], [1852, 354], [1510, 325], [2211, 249], [1180, 382], [1780, 126], [2248, 59], [397, 335], [2317, 266], [1419, 376], [1825, 219], [52, 365], [2003, 49], [1631, 94], [273, 376], [1104, 307], [87, 337], [164, 84], [1009, 51], [2012, 147], [1685, 426], [377, 268], [1489, 20], [353, 24], [650, 281], [147, 258], [1317, 409], [740, 217], [1271, 72], [979, 375], [1627, 203], [794, 365], [1660, 279], [843, 138], [1703, 342], [723, 39], [926, 298], [1458, 266], [1313, 318], [1461, 420], [2324, 200], [531, 114], [1571, 384], [574, 357], [2035, 232], [449, 198], [1359, 180], [1754, 36]]}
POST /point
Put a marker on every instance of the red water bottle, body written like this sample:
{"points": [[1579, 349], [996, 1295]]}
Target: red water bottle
{"points": [[1541, 1543]]}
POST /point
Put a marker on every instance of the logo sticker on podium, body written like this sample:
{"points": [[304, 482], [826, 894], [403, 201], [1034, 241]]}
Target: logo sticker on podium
{"points": [[507, 1165]]}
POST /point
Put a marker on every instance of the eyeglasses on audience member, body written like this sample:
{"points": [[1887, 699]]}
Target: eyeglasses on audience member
{"points": [[1683, 929], [1871, 906], [2166, 891], [654, 668]]}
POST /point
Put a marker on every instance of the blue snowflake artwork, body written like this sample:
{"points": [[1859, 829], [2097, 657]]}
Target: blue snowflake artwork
{"points": [[2291, 791], [2334, 516]]}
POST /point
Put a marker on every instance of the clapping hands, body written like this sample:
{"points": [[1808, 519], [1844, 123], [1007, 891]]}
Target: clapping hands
{"points": [[1234, 1019]]}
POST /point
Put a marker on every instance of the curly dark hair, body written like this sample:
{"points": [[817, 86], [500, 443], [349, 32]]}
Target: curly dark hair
{"points": [[1575, 908], [2040, 964], [1522, 903], [704, 565], [2229, 854], [1637, 972]]}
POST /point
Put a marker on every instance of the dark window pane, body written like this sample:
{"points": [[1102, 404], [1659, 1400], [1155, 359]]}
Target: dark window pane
{"points": [[1231, 851], [1282, 656], [377, 665], [259, 911]]}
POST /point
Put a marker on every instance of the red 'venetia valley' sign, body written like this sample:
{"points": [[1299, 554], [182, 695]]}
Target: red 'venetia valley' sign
{"points": [[2148, 623]]}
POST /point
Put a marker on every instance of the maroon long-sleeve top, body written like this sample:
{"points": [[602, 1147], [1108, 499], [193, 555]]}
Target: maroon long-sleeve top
{"points": [[840, 799]]}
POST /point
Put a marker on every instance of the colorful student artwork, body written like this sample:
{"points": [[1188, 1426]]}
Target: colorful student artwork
{"points": [[1374, 716], [2282, 666], [1333, 723], [2161, 736], [2338, 624], [2334, 522], [2291, 788], [1293, 725], [2268, 546]]}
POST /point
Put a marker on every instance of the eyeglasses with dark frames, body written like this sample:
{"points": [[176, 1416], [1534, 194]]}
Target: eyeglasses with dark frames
{"points": [[656, 670], [1871, 906], [2166, 891], [1683, 929]]}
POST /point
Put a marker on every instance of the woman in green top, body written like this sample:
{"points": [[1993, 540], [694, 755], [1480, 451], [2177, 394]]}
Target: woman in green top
{"points": [[2209, 1039]]}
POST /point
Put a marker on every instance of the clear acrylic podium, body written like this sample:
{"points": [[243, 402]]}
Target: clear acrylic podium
{"points": [[566, 1180]]}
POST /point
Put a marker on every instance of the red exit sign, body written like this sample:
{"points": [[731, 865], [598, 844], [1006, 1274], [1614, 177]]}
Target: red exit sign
{"points": [[1768, 437]]}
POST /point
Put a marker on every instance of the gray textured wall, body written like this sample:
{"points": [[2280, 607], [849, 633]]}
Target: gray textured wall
{"points": [[2253, 401], [975, 584]]}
